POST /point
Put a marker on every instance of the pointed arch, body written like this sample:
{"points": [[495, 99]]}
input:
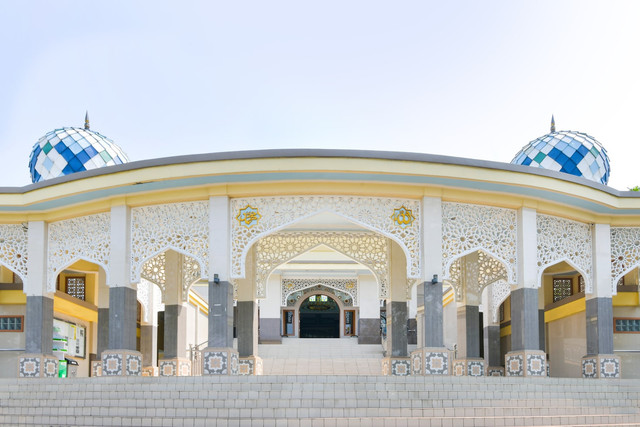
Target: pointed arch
{"points": [[276, 213], [368, 249]]}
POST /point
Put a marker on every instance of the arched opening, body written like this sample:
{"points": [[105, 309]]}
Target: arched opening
{"points": [[319, 317]]}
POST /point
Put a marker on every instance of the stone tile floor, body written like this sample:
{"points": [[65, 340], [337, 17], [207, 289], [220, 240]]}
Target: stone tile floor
{"points": [[321, 356]]}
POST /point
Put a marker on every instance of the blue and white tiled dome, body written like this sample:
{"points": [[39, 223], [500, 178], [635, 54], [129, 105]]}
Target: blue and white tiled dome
{"points": [[574, 153], [68, 150]]}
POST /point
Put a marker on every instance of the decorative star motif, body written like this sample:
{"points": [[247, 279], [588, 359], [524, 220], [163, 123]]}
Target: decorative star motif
{"points": [[403, 217], [248, 216]]}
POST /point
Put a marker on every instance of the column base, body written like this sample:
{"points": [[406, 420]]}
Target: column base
{"points": [[601, 366], [37, 366], [219, 361], [176, 367], [468, 367], [126, 363], [251, 365], [150, 371], [396, 366], [495, 371], [96, 368], [430, 361], [525, 363]]}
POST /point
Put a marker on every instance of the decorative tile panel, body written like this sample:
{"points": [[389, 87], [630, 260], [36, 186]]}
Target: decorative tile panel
{"points": [[374, 213], [369, 249], [37, 366], [219, 361], [86, 237], [96, 368], [561, 239], [251, 365], [526, 363], [416, 362], [601, 366], [183, 227], [495, 371], [121, 363], [177, 367], [436, 361], [467, 228]]}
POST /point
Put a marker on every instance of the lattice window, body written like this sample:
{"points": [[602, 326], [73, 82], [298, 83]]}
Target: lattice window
{"points": [[581, 284], [183, 227], [369, 249], [466, 228], [13, 248], [87, 237], [75, 286], [627, 325], [565, 240], [11, 323], [625, 252], [562, 288]]}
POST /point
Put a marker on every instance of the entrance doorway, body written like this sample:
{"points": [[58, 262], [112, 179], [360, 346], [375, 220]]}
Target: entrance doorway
{"points": [[319, 317]]}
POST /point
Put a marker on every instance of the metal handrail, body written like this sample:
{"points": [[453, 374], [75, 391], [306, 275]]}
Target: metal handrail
{"points": [[195, 355]]}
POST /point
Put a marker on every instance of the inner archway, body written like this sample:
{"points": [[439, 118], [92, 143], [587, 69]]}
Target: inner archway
{"points": [[319, 317]]}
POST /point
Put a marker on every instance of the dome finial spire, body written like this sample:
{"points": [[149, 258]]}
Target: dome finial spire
{"points": [[553, 124], [86, 120]]}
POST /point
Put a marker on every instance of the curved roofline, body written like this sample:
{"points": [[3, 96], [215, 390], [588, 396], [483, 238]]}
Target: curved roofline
{"points": [[318, 153]]}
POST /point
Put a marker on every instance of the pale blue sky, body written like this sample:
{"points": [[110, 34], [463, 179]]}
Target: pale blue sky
{"points": [[469, 79]]}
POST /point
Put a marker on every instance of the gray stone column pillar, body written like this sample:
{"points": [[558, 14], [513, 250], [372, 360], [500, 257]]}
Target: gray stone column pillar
{"points": [[524, 320], [221, 314], [468, 331], [149, 345], [38, 359], [397, 328], [246, 327], [103, 330], [433, 323], [492, 345], [39, 325], [123, 309], [175, 325]]}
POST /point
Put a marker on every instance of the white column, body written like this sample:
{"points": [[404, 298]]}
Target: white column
{"points": [[600, 362]]}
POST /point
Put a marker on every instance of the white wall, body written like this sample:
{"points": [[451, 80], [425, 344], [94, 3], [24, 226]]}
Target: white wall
{"points": [[369, 302]]}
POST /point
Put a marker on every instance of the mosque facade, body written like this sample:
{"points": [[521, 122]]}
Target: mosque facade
{"points": [[152, 267]]}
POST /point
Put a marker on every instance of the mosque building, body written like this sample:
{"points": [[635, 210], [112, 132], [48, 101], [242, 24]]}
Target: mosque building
{"points": [[455, 266]]}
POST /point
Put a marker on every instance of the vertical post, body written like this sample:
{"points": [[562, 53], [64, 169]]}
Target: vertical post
{"points": [[247, 321], [491, 337], [121, 358], [525, 357], [397, 361], [468, 361], [38, 359], [219, 358], [103, 323], [174, 361], [600, 362], [433, 358]]}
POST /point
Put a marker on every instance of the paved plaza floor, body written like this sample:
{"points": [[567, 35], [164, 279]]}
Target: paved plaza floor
{"points": [[321, 356]]}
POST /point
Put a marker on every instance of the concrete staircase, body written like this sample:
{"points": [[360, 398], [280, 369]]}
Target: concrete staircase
{"points": [[319, 401]]}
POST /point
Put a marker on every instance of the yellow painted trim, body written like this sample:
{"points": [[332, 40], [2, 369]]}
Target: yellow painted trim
{"points": [[447, 298], [15, 297], [505, 332], [75, 310], [626, 299], [381, 187], [565, 310], [198, 302]]}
